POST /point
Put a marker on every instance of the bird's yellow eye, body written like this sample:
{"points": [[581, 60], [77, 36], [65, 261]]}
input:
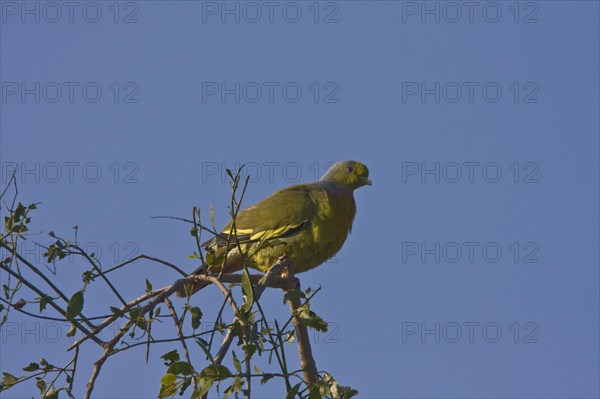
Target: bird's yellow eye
{"points": [[350, 169]]}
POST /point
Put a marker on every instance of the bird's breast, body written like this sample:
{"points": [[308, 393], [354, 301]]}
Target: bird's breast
{"points": [[331, 224]]}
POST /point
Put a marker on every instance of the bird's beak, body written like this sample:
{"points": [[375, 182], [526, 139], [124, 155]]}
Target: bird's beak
{"points": [[367, 181]]}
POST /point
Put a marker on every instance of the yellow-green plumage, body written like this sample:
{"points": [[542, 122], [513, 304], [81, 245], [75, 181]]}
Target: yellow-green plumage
{"points": [[308, 223]]}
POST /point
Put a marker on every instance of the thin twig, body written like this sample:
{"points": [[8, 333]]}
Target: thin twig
{"points": [[148, 336], [99, 270], [187, 221], [217, 319], [224, 290], [109, 347], [53, 304], [75, 358], [180, 334], [138, 257], [11, 180], [46, 280], [248, 371], [224, 348], [259, 288], [198, 233], [282, 361], [273, 281], [110, 319], [159, 341]]}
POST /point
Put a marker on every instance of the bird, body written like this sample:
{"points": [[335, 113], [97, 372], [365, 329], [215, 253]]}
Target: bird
{"points": [[307, 223]]}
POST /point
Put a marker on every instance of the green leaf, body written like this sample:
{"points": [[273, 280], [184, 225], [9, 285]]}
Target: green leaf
{"points": [[168, 379], [8, 380], [204, 346], [72, 330], [148, 286], [196, 316], [236, 362], [180, 368], [290, 337], [249, 351], [247, 292], [228, 392], [184, 385], [310, 318], [45, 365], [168, 387], [87, 277], [216, 372], [43, 302], [32, 367], [235, 387], [51, 253], [212, 215], [41, 384], [20, 228], [292, 392], [266, 377], [204, 385], [314, 393], [51, 394], [20, 304], [293, 294], [9, 222], [1, 307], [75, 305], [116, 311], [20, 211], [138, 318], [170, 357], [345, 392]]}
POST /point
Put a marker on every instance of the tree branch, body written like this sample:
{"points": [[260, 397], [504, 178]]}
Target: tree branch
{"points": [[270, 276], [32, 287], [158, 297], [273, 281], [46, 280], [307, 362], [181, 338], [138, 257]]}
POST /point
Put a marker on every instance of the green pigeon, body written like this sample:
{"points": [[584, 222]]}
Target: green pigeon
{"points": [[306, 222]]}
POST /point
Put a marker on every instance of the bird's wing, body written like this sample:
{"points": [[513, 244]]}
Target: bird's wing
{"points": [[280, 215]]}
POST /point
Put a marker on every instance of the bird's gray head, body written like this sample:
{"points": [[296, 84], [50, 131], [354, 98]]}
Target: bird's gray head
{"points": [[351, 174]]}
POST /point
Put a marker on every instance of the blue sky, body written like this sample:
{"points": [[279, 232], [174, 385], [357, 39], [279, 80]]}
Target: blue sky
{"points": [[472, 269]]}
